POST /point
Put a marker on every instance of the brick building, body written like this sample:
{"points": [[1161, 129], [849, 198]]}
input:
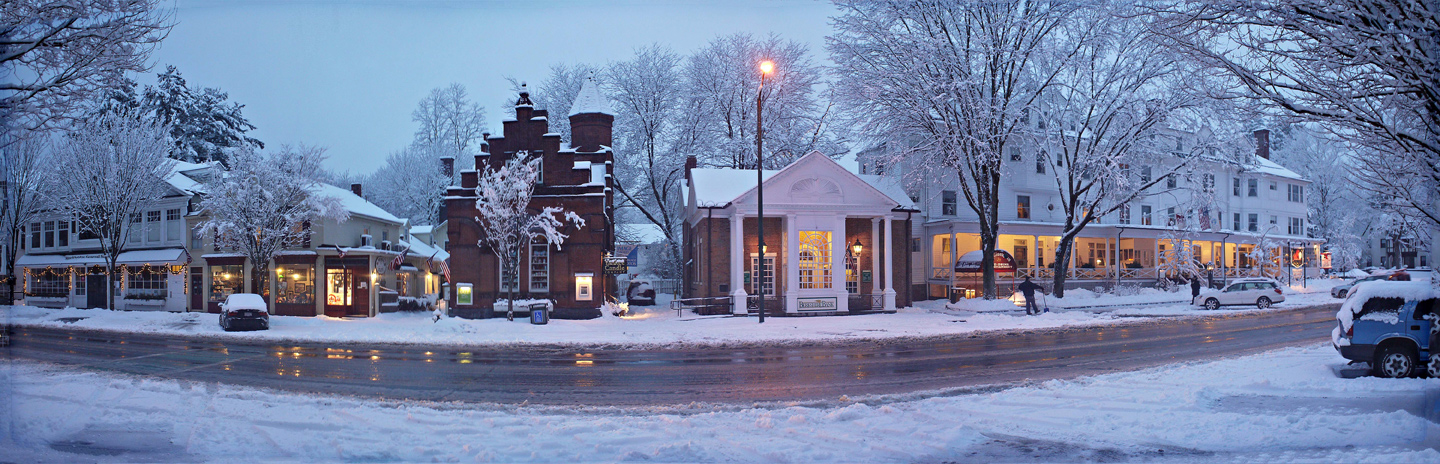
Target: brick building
{"points": [[836, 242], [576, 177]]}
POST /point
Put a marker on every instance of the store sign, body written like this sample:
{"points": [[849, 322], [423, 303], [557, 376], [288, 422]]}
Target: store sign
{"points": [[817, 304], [616, 266], [1297, 258], [1325, 260], [865, 276], [630, 252]]}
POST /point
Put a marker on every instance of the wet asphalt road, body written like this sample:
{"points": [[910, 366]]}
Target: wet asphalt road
{"points": [[566, 375]]}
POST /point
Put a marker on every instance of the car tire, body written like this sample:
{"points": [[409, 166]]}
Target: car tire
{"points": [[1395, 362], [1263, 302], [1342, 294], [1212, 304]]}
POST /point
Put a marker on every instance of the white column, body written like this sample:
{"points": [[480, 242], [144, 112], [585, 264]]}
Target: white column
{"points": [[890, 265], [1106, 258], [874, 256], [737, 264], [954, 256], [838, 243], [1034, 263], [792, 264]]}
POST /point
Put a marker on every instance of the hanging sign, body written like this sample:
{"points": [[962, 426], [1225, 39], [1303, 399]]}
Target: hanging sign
{"points": [[1325, 260], [616, 265]]}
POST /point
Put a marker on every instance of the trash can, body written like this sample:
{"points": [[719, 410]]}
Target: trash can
{"points": [[539, 314]]}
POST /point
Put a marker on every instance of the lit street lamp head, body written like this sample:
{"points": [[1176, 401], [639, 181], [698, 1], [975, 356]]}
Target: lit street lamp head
{"points": [[767, 67]]}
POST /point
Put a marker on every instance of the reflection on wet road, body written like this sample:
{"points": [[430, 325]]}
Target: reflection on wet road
{"points": [[566, 375]]}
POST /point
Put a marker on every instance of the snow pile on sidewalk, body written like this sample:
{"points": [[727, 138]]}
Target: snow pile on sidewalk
{"points": [[1284, 405], [644, 325]]}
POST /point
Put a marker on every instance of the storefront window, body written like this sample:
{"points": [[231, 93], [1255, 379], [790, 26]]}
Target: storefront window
{"points": [[337, 287], [295, 284], [146, 285], [814, 259], [50, 283], [539, 268], [226, 280], [402, 283]]}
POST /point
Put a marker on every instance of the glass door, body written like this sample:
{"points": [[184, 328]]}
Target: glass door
{"points": [[337, 292]]}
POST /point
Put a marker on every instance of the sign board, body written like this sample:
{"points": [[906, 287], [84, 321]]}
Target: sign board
{"points": [[747, 277], [616, 266], [866, 276], [631, 252], [1297, 258], [817, 304], [1325, 260]]}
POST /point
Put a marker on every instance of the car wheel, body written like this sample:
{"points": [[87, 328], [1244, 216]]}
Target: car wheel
{"points": [[1395, 362], [1263, 302], [1212, 304], [1342, 294]]}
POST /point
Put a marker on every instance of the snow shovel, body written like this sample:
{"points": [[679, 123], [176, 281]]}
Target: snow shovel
{"points": [[1044, 303]]}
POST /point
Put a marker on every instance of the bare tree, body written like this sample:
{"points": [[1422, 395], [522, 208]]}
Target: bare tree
{"points": [[410, 185], [262, 204], [1099, 118], [57, 55], [107, 174], [951, 81], [23, 168], [449, 125], [649, 91], [1368, 70], [503, 201]]}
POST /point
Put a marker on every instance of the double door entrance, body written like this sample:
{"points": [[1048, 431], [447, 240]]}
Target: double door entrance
{"points": [[347, 291]]}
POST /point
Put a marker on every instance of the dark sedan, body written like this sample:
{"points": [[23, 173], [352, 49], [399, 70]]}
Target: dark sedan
{"points": [[244, 311]]}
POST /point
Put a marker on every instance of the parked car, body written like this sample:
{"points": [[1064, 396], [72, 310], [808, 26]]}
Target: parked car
{"points": [[244, 310], [1340, 291], [1391, 326], [640, 293], [1259, 291]]}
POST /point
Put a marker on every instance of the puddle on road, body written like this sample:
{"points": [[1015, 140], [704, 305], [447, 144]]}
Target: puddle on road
{"points": [[130, 442]]}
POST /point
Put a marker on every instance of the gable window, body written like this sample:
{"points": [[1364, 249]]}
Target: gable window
{"points": [[1237, 186], [1022, 206], [172, 224], [1040, 163], [1015, 154], [947, 203], [1273, 185], [49, 234], [1145, 217]]}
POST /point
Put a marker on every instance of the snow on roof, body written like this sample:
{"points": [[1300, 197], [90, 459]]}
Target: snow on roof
{"points": [[1265, 166], [718, 187], [643, 233], [1381, 289], [421, 229], [889, 186], [181, 176], [590, 100], [356, 205], [424, 250]]}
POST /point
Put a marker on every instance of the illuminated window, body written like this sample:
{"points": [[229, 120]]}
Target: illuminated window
{"points": [[225, 280], [584, 287], [539, 268], [814, 259], [295, 284]]}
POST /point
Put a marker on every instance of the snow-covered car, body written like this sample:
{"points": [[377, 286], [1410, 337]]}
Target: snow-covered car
{"points": [[1391, 325], [640, 293], [1258, 291], [1340, 291], [244, 310]]}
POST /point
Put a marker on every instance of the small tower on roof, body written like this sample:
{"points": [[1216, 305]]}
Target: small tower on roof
{"points": [[591, 119]]}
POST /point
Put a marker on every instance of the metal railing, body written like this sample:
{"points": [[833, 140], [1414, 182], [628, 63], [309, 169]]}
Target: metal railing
{"points": [[704, 306]]}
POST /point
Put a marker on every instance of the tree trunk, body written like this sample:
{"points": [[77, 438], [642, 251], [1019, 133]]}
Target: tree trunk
{"points": [[110, 281], [1062, 265]]}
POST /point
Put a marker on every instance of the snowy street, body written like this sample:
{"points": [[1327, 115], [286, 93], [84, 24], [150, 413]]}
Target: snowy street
{"points": [[1284, 405]]}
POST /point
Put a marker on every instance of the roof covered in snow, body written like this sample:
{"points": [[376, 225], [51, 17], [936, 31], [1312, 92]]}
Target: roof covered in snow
{"points": [[1265, 166], [420, 230], [356, 205], [718, 187], [590, 100]]}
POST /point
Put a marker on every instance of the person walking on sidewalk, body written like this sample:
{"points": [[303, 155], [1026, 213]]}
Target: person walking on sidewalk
{"points": [[1028, 288], [1194, 287]]}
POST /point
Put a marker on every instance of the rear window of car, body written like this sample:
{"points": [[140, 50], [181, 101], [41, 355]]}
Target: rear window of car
{"points": [[1381, 306]]}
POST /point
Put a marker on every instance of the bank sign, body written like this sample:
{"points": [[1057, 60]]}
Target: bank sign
{"points": [[817, 304]]}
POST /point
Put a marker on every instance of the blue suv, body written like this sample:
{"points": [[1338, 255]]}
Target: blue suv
{"points": [[1389, 325]]}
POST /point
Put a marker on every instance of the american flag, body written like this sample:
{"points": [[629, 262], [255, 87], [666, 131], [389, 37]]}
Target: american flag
{"points": [[430, 263], [445, 269], [400, 259]]}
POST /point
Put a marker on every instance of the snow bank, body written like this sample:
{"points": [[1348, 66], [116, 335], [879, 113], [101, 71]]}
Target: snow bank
{"points": [[1279, 406]]}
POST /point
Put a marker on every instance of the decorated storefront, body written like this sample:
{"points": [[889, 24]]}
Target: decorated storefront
{"points": [[144, 280]]}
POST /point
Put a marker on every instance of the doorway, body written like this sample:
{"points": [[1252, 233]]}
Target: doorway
{"points": [[197, 289], [95, 289], [347, 292]]}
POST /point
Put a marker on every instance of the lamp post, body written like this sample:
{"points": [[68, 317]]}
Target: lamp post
{"points": [[766, 67]]}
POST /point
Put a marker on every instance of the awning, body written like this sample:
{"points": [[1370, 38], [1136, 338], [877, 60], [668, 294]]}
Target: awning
{"points": [[137, 257]]}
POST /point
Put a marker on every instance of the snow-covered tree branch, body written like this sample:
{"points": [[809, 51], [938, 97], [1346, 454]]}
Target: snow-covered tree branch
{"points": [[507, 221], [264, 204], [106, 175], [23, 171]]}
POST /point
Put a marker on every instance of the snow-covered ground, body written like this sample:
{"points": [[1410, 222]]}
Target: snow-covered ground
{"points": [[659, 326], [1280, 406]]}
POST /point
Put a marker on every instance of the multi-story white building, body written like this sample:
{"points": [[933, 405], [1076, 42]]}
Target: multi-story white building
{"points": [[1221, 207]]}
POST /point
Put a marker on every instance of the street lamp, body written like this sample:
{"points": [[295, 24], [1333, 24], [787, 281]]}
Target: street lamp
{"points": [[766, 67], [857, 247]]}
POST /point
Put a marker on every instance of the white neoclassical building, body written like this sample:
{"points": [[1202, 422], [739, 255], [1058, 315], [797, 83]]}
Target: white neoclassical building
{"points": [[835, 240]]}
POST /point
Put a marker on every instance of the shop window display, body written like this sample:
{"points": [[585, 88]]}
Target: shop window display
{"points": [[226, 280], [295, 284]]}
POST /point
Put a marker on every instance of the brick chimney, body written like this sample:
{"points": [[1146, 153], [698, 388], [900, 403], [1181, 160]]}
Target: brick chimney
{"points": [[690, 163], [355, 189], [447, 167], [1262, 143]]}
